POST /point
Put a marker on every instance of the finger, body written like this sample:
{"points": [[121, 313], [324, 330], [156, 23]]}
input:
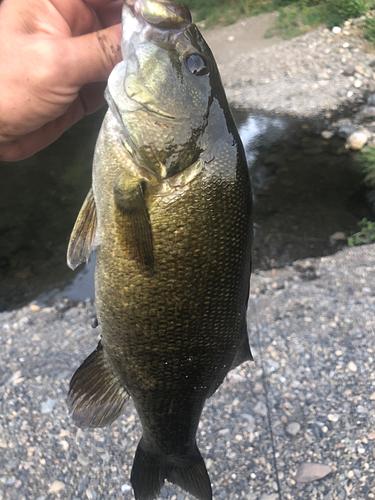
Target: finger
{"points": [[110, 14], [92, 97], [91, 58], [25, 146]]}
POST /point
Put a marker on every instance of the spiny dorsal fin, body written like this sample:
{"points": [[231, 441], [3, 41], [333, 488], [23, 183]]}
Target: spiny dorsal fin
{"points": [[134, 224], [96, 396], [83, 234]]}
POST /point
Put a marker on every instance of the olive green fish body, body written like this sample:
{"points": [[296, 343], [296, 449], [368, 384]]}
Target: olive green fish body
{"points": [[171, 209]]}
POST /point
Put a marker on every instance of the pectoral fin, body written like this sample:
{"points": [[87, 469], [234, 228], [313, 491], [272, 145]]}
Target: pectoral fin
{"points": [[96, 396], [134, 223], [83, 234]]}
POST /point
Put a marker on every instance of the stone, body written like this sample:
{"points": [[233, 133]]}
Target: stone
{"points": [[338, 236], [48, 405], [333, 417], [56, 486], [347, 130], [293, 429], [125, 488], [336, 30], [366, 112], [272, 496], [261, 409], [231, 38], [309, 471], [371, 100], [352, 367], [358, 84], [356, 141], [349, 71], [34, 307], [360, 70], [327, 134]]}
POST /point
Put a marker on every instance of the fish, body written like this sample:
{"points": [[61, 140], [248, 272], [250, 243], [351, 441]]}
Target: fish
{"points": [[169, 216]]}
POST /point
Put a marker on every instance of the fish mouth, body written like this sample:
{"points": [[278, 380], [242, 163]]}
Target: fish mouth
{"points": [[162, 14]]}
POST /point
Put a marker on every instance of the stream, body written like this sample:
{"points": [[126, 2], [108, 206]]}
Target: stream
{"points": [[308, 197]]}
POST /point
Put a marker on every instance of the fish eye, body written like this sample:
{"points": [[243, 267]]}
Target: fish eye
{"points": [[196, 64]]}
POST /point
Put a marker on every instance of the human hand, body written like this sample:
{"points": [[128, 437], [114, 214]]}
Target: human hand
{"points": [[55, 58]]}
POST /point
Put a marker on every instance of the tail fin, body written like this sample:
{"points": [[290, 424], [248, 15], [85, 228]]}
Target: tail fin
{"points": [[191, 475], [149, 472]]}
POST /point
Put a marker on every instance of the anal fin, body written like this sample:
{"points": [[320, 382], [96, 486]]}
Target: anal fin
{"points": [[134, 224], [83, 234], [96, 396], [243, 352]]}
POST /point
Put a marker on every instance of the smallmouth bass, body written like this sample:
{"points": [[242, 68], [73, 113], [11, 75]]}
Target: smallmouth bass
{"points": [[169, 213]]}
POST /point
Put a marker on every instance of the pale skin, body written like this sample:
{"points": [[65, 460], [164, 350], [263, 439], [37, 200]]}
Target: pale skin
{"points": [[55, 58]]}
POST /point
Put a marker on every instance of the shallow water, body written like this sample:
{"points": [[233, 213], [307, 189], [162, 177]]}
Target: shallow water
{"points": [[305, 190]]}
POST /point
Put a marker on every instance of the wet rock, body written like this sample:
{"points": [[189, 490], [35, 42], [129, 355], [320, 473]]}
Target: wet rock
{"points": [[347, 130], [356, 140], [338, 236], [327, 134], [308, 472], [371, 99], [366, 112]]}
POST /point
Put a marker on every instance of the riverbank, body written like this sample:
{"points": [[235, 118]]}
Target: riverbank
{"points": [[309, 76]]}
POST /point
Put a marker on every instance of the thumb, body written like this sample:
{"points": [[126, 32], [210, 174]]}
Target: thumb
{"points": [[90, 58]]}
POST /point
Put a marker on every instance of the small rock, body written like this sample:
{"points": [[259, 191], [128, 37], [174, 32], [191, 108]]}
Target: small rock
{"points": [[48, 405], [347, 130], [371, 100], [358, 84], [366, 112], [56, 486], [356, 141], [91, 495], [293, 428], [338, 236], [360, 70], [34, 308], [352, 367], [308, 472], [273, 496], [336, 30], [361, 449], [83, 460], [327, 134], [125, 488], [333, 417], [260, 409], [323, 75], [231, 38], [345, 45], [349, 71], [350, 474]]}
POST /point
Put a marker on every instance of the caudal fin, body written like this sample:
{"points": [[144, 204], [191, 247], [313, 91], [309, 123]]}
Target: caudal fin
{"points": [[150, 470]]}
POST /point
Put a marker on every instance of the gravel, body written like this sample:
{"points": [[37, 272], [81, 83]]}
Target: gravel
{"points": [[314, 73], [307, 400]]}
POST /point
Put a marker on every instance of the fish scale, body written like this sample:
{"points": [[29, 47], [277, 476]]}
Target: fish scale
{"points": [[171, 223]]}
